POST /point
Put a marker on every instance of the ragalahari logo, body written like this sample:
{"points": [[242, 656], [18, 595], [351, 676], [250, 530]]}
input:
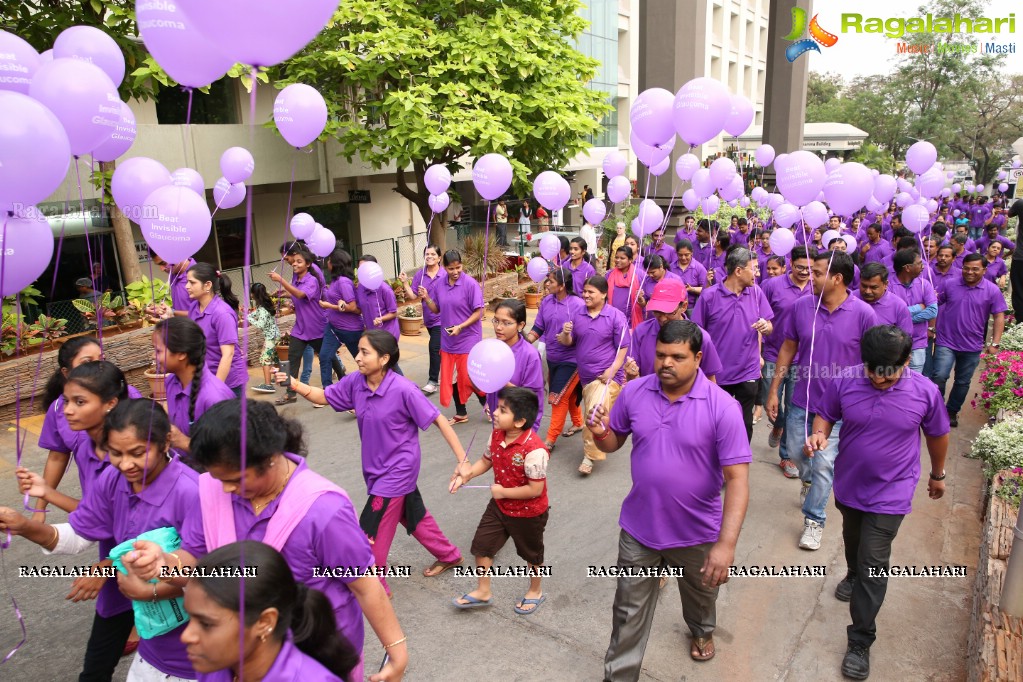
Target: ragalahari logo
{"points": [[804, 45]]}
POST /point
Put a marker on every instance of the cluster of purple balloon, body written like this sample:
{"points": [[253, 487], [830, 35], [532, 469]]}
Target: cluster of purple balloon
{"points": [[437, 180], [319, 239]]}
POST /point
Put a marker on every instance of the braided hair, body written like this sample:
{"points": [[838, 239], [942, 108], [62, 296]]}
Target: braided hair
{"points": [[182, 335]]}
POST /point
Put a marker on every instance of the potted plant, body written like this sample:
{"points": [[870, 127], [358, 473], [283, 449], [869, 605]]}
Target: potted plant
{"points": [[46, 330], [147, 293], [282, 346], [411, 320], [532, 297], [113, 309], [157, 387], [398, 287]]}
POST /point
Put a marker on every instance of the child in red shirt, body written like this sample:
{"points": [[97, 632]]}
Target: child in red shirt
{"points": [[519, 506]]}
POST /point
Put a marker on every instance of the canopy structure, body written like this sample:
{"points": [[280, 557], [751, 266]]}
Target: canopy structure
{"points": [[817, 137]]}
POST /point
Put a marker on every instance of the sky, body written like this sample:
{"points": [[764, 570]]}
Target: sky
{"points": [[860, 54]]}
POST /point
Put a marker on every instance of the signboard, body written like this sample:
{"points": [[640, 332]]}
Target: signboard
{"points": [[358, 196], [142, 251]]}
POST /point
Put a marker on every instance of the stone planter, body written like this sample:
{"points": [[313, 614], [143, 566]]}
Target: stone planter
{"points": [[156, 385], [410, 326]]}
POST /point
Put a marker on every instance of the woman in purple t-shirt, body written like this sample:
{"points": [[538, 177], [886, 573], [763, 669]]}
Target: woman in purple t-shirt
{"points": [[427, 277], [344, 319], [509, 322], [215, 310], [379, 308]]}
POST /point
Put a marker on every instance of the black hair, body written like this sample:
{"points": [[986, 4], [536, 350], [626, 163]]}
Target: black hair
{"points": [[902, 232], [897, 216], [290, 248], [874, 226], [798, 253], [885, 348], [627, 250], [65, 356], [939, 228], [305, 611], [368, 258], [341, 264], [522, 402], [738, 257], [204, 272], [563, 241], [261, 297], [743, 221], [682, 331], [684, 244], [906, 243], [652, 260], [872, 270], [384, 344], [973, 257], [182, 335], [597, 282], [703, 224], [580, 242], [436, 249], [723, 240], [841, 264], [563, 276], [146, 416], [958, 238], [451, 256], [902, 258], [777, 260], [100, 378], [310, 258], [515, 307], [216, 436], [945, 246]]}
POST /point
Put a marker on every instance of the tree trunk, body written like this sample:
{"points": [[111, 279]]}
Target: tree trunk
{"points": [[420, 197], [124, 240]]}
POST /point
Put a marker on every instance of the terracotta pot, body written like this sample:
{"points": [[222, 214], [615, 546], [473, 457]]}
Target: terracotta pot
{"points": [[156, 385], [533, 300], [282, 352], [410, 326]]}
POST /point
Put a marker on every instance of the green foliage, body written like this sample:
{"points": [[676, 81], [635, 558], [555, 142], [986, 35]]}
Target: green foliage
{"points": [[999, 446], [146, 292], [725, 213], [476, 253], [608, 229], [872, 156], [410, 312], [108, 308]]}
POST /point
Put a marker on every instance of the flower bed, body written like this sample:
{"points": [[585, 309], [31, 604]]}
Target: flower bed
{"points": [[1000, 446], [1001, 382]]}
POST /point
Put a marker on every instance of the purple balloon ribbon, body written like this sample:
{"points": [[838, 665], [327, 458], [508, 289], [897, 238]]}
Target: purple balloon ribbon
{"points": [[14, 603]]}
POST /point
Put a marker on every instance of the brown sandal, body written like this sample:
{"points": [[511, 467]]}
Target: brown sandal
{"points": [[702, 648], [432, 572], [458, 419]]}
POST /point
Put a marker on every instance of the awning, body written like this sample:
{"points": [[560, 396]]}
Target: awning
{"points": [[816, 137]]}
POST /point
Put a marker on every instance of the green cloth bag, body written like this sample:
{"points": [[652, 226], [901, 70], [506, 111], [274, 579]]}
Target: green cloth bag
{"points": [[160, 617]]}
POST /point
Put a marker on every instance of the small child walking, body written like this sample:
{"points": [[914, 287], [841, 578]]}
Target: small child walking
{"points": [[263, 315], [518, 508]]}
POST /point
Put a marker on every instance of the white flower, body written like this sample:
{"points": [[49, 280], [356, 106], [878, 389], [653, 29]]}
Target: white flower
{"points": [[999, 446]]}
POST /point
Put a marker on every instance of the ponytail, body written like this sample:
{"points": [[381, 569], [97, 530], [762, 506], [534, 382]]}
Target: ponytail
{"points": [[182, 335], [65, 357], [204, 272], [314, 629]]}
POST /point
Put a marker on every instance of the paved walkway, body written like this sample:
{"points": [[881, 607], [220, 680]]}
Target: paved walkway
{"points": [[768, 628]]}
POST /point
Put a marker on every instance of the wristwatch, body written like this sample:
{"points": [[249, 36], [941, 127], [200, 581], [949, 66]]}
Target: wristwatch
{"points": [[937, 478]]}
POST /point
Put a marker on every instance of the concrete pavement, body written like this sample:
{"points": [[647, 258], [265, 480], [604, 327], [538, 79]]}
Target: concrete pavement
{"points": [[768, 628]]}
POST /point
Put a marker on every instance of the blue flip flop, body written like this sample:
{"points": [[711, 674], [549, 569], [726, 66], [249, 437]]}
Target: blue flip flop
{"points": [[526, 602], [474, 603]]}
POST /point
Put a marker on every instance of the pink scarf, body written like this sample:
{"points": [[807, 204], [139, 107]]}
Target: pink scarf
{"points": [[617, 279]]}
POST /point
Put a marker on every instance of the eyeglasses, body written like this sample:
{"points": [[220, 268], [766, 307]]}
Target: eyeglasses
{"points": [[801, 268], [505, 323]]}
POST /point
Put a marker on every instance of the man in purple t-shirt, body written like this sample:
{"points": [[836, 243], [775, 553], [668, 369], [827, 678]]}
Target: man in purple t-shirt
{"points": [[877, 471], [686, 444]]}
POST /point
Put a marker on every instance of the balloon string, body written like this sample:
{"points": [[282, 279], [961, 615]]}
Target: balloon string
{"points": [[287, 222], [486, 251], [88, 248], [813, 339], [14, 603], [422, 272]]}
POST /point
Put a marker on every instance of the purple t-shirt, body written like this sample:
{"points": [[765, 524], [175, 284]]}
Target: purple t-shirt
{"points": [[665, 251], [829, 344], [941, 279], [580, 275], [309, 318], [877, 252], [55, 434], [342, 289], [423, 279], [113, 512], [730, 318], [550, 318], [211, 391], [644, 349], [457, 302], [984, 242], [528, 374], [995, 270], [678, 451], [964, 312], [596, 342], [328, 535], [178, 288], [877, 469], [374, 304], [716, 262], [220, 324], [781, 293], [890, 309], [917, 292], [388, 419], [291, 665], [703, 253], [649, 283], [693, 276]]}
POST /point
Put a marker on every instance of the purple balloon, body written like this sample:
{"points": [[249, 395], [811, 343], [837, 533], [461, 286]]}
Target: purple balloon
{"points": [[227, 194], [34, 150], [956, 188], [744, 202], [946, 192], [786, 215], [551, 190], [774, 200], [710, 205], [831, 164], [740, 115], [322, 243], [884, 188], [915, 218], [849, 188], [300, 114], [650, 116], [1003, 187], [492, 176], [690, 200], [956, 213], [594, 211], [782, 240], [178, 226], [932, 205], [980, 188], [134, 181], [921, 156], [801, 178], [371, 275], [903, 199], [26, 246], [815, 214], [828, 236], [721, 171], [46, 56], [701, 108], [302, 225], [969, 189], [439, 202], [437, 179], [618, 188], [703, 184], [615, 164], [1002, 175], [190, 178], [491, 365], [764, 155], [537, 269], [686, 165], [18, 63], [1017, 163], [850, 242], [237, 164], [121, 138], [259, 32], [550, 246], [930, 183], [759, 195], [649, 155], [874, 206], [734, 189], [171, 37], [90, 44], [83, 99], [649, 218]]}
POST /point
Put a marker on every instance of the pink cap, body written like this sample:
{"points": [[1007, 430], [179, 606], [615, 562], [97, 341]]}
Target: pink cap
{"points": [[666, 297]]}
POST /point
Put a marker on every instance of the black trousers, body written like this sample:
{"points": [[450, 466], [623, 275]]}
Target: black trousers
{"points": [[868, 546], [746, 394], [106, 644], [1016, 280], [434, 349], [296, 350]]}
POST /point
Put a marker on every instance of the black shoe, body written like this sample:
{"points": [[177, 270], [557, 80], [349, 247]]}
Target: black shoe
{"points": [[856, 663], [843, 592], [953, 420]]}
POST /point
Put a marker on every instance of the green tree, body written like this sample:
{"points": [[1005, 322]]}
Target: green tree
{"points": [[413, 83], [990, 117], [873, 156]]}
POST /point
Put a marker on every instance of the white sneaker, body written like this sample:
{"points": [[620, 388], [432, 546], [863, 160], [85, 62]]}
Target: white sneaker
{"points": [[812, 532], [429, 388]]}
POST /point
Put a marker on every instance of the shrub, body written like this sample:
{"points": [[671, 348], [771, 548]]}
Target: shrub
{"points": [[1010, 487], [1001, 382], [1000, 446]]}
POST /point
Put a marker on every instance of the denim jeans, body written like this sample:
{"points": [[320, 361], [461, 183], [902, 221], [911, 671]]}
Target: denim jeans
{"points": [[784, 401], [818, 470], [307, 365], [965, 363], [928, 370], [917, 360], [333, 339]]}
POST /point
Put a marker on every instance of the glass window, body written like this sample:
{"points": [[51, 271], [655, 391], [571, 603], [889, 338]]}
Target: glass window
{"points": [[217, 106]]}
